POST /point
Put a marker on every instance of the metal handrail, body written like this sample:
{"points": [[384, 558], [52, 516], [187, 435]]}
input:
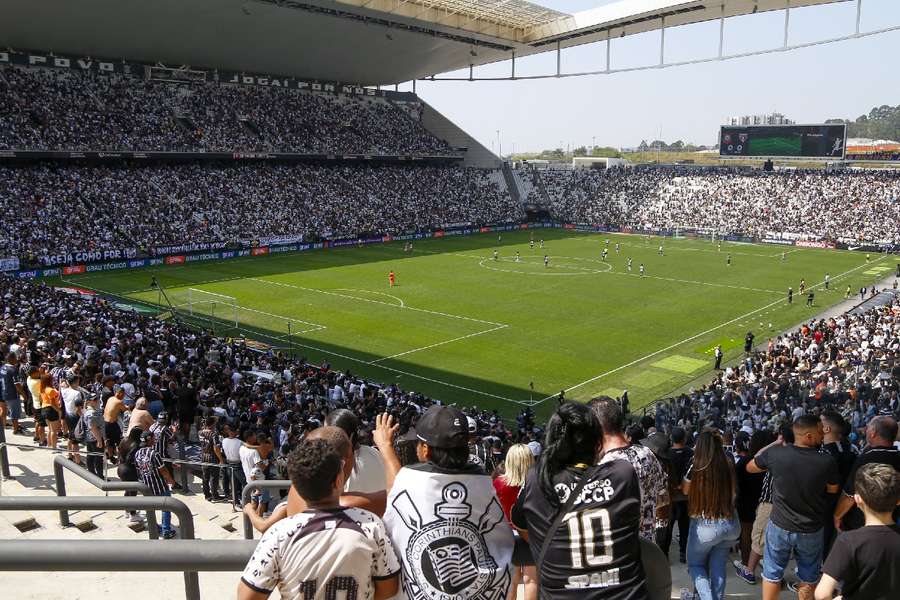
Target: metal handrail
{"points": [[269, 484], [62, 464], [147, 503], [126, 555]]}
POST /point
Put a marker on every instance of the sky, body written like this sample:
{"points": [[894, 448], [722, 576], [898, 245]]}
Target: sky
{"points": [[840, 80]]}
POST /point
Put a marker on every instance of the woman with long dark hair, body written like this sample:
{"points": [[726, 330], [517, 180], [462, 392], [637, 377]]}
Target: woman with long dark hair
{"points": [[127, 470], [710, 487], [589, 513]]}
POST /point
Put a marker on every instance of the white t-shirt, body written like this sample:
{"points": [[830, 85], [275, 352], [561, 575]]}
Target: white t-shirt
{"points": [[368, 472], [249, 459], [323, 555], [232, 448]]}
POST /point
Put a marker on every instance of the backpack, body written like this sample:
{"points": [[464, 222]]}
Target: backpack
{"points": [[79, 430]]}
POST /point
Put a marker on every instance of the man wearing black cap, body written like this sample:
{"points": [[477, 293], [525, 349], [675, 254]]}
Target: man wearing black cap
{"points": [[444, 512]]}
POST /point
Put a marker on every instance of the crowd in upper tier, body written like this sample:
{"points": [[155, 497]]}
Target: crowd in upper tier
{"points": [[46, 109], [846, 205]]}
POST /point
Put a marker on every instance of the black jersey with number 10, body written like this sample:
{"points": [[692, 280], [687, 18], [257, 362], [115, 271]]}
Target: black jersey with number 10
{"points": [[595, 552]]}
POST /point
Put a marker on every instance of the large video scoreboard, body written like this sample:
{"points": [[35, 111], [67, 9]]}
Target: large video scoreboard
{"points": [[784, 141]]}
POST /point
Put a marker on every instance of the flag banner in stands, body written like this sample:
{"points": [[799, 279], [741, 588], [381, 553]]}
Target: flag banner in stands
{"points": [[72, 63], [186, 248], [330, 87], [777, 241], [9, 264], [87, 256], [457, 542], [137, 69]]}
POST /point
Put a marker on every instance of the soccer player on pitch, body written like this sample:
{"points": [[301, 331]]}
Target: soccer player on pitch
{"points": [[642, 269], [546, 260], [391, 278]]}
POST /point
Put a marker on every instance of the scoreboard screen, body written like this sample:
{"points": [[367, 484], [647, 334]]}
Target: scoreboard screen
{"points": [[792, 141]]}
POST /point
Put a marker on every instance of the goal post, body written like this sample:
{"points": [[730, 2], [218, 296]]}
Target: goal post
{"points": [[216, 308]]}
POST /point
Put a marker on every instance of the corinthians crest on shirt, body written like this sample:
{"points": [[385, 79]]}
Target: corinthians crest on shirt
{"points": [[457, 542]]}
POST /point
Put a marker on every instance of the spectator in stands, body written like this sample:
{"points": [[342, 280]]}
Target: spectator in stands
{"points": [[210, 453], [801, 478], [710, 486], [519, 460], [681, 457], [652, 478], [749, 489], [92, 424], [155, 476], [429, 504], [368, 466], [881, 436], [127, 469], [567, 487], [326, 548], [865, 563], [51, 408], [10, 394]]}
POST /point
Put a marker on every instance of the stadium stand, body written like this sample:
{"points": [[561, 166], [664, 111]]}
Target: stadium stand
{"points": [[69, 110], [752, 203], [117, 206]]}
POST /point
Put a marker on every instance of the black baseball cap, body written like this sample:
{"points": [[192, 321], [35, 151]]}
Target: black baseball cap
{"points": [[443, 427]]}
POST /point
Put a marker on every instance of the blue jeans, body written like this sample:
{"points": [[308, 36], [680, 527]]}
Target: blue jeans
{"points": [[166, 517], [709, 541], [806, 547]]}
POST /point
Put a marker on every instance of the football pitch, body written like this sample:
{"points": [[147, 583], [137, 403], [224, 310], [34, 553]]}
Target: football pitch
{"points": [[464, 327]]}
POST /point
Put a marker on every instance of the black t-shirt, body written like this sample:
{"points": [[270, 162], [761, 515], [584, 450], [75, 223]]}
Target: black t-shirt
{"points": [[799, 477], [854, 518], [681, 458], [595, 553], [867, 562]]}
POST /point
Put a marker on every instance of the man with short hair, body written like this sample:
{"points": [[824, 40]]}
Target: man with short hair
{"points": [[113, 408], [865, 563], [681, 459], [326, 551], [443, 512], [652, 478], [801, 478], [881, 433]]}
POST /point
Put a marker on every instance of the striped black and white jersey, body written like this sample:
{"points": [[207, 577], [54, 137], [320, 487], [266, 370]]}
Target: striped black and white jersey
{"points": [[148, 462], [323, 555]]}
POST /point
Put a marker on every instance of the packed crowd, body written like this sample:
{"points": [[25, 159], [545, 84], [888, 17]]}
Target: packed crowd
{"points": [[793, 451], [849, 206], [75, 208], [47, 109]]}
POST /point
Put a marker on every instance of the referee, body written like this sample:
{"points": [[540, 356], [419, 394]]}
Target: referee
{"points": [[155, 475]]}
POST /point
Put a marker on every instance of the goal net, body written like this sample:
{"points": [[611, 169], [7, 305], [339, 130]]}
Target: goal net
{"points": [[222, 313], [217, 309]]}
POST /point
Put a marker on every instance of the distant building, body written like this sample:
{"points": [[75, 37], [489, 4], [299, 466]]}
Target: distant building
{"points": [[771, 119]]}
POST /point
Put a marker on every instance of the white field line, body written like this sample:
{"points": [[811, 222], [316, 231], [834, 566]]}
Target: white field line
{"points": [[380, 366], [456, 339], [721, 285], [400, 300], [693, 337], [391, 304]]}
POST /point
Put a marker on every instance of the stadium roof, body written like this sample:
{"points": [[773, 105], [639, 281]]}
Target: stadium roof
{"points": [[360, 41]]}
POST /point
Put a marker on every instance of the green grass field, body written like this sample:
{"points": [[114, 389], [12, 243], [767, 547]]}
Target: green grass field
{"points": [[462, 327]]}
